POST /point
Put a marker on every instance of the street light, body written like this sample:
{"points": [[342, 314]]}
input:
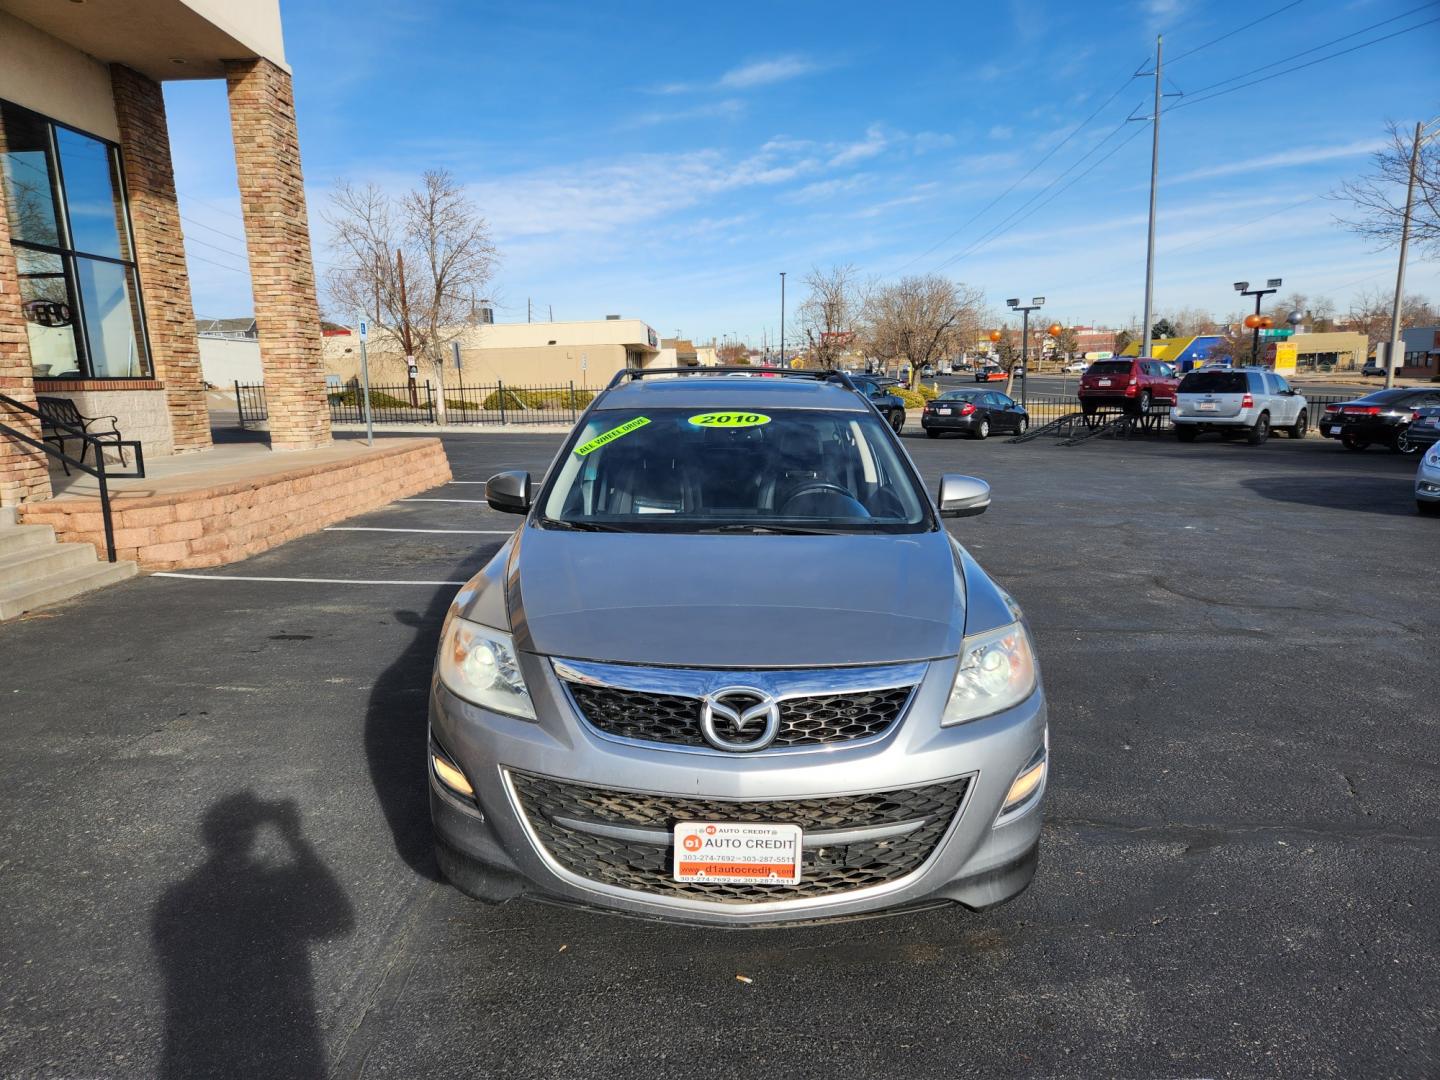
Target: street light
{"points": [[782, 318], [1036, 302], [1257, 321]]}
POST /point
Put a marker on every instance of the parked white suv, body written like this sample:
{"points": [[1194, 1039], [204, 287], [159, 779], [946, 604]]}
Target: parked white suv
{"points": [[1232, 401]]}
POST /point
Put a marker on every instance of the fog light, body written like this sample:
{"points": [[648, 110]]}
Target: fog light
{"points": [[1024, 786], [1018, 800], [450, 776]]}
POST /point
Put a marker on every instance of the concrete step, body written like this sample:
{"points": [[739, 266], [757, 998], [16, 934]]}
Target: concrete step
{"points": [[15, 538], [18, 598], [32, 564]]}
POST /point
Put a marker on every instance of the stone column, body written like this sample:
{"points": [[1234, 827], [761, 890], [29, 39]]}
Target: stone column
{"points": [[24, 472], [277, 232], [160, 253]]}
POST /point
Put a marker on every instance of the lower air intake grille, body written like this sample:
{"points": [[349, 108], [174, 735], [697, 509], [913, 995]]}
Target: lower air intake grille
{"points": [[646, 867]]}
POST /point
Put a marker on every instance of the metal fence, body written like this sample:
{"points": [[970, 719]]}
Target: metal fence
{"points": [[1047, 408], [423, 403], [499, 403]]}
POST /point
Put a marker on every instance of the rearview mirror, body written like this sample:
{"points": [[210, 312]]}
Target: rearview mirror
{"points": [[962, 496], [508, 492]]}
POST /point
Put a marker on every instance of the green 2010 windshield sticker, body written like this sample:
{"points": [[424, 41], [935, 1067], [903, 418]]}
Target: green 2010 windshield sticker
{"points": [[729, 419], [611, 435]]}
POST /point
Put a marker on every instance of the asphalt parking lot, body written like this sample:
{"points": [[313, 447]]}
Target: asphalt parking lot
{"points": [[1238, 876]]}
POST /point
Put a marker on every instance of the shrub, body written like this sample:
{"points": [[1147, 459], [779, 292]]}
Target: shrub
{"points": [[520, 400], [913, 399], [378, 399]]}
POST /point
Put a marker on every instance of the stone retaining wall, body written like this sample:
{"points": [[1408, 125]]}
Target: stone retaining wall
{"points": [[210, 526]]}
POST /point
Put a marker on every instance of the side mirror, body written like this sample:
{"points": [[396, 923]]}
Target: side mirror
{"points": [[508, 492], [962, 496]]}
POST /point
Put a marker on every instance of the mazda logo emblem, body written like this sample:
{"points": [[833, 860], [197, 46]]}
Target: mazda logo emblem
{"points": [[739, 718]]}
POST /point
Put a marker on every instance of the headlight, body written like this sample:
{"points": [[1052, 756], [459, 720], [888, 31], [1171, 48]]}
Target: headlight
{"points": [[479, 665], [1433, 458], [997, 670]]}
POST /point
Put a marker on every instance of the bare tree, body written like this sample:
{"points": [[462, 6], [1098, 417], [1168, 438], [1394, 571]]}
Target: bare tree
{"points": [[1370, 314], [1378, 197], [1191, 321], [921, 319], [416, 263], [829, 313]]}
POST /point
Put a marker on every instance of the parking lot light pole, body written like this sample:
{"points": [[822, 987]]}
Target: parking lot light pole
{"points": [[1036, 303], [1243, 288], [782, 318]]}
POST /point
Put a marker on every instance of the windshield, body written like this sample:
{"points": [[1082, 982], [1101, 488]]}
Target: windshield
{"points": [[958, 395], [698, 470]]}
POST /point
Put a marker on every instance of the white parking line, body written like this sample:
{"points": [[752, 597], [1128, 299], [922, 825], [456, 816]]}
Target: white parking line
{"points": [[372, 528], [296, 580]]}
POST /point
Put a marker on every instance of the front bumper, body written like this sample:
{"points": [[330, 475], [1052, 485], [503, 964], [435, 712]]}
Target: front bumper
{"points": [[1427, 483], [495, 850]]}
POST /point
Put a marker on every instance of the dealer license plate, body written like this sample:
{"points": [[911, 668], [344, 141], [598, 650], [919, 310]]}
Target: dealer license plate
{"points": [[1104, 382], [943, 412], [1207, 406], [1334, 431], [737, 852]]}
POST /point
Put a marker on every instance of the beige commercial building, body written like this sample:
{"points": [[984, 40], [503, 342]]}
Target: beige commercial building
{"points": [[521, 354]]}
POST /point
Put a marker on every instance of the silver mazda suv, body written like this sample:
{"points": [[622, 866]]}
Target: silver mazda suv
{"points": [[732, 670]]}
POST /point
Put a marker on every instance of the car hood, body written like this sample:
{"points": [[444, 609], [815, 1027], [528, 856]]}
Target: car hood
{"points": [[743, 601]]}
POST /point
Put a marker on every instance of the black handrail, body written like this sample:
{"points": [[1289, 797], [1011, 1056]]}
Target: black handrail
{"points": [[97, 470]]}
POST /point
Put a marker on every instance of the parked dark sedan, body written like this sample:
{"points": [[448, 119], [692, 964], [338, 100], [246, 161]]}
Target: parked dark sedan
{"points": [[1425, 428], [882, 395], [975, 412], [1383, 417]]}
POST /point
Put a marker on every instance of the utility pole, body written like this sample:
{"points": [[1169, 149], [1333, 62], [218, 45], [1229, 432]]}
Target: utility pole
{"points": [[1154, 180], [782, 318], [551, 308], [1396, 349], [406, 341], [527, 309]]}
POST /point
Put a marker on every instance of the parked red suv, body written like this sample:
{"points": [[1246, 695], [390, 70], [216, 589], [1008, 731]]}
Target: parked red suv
{"points": [[1132, 384]]}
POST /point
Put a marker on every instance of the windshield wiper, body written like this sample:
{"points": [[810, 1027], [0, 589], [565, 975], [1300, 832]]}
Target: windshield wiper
{"points": [[582, 526], [779, 530]]}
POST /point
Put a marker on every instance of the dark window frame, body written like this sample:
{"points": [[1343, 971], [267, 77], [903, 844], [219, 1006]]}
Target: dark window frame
{"points": [[69, 254]]}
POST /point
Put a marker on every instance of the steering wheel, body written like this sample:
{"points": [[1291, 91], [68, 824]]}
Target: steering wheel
{"points": [[815, 489]]}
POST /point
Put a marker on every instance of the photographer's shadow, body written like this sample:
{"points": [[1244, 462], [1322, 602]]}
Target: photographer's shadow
{"points": [[233, 943]]}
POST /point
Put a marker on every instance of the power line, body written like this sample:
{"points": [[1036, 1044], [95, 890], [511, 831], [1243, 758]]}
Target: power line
{"points": [[1237, 30], [1028, 173], [1001, 226], [1231, 228], [984, 240], [1195, 99]]}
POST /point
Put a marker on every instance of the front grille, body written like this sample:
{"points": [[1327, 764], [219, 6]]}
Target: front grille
{"points": [[646, 867], [804, 721]]}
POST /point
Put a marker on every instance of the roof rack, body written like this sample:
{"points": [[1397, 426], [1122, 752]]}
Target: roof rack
{"points": [[630, 374]]}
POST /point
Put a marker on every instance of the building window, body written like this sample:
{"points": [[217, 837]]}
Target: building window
{"points": [[70, 231]]}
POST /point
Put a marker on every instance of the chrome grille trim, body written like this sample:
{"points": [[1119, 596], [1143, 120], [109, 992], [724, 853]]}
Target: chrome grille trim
{"points": [[678, 686]]}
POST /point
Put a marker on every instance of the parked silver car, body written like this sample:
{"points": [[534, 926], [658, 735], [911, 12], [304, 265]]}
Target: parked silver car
{"points": [[1234, 401], [732, 670]]}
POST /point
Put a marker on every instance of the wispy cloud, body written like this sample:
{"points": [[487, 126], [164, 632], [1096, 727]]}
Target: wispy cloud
{"points": [[726, 109], [1002, 132], [874, 143], [1301, 155], [764, 72], [750, 75]]}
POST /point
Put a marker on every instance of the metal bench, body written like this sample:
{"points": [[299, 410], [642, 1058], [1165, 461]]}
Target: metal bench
{"points": [[61, 420]]}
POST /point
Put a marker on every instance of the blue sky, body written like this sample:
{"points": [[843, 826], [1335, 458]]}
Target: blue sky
{"points": [[665, 161]]}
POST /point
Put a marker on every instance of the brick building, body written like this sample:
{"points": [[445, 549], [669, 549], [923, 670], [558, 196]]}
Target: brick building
{"points": [[95, 299]]}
